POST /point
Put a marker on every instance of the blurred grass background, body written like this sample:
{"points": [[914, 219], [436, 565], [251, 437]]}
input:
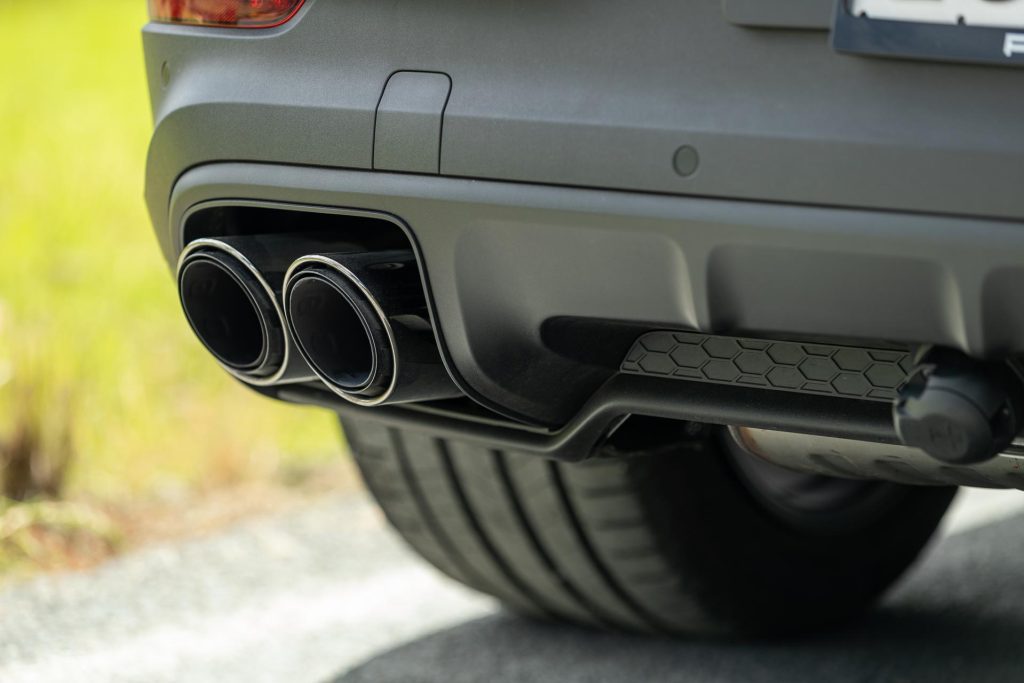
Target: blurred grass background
{"points": [[101, 381]]}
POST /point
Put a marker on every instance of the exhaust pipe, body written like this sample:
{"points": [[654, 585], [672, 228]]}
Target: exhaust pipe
{"points": [[229, 289], [360, 321], [850, 459]]}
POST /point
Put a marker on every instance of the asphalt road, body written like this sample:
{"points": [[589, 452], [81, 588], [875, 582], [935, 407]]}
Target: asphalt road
{"points": [[327, 594]]}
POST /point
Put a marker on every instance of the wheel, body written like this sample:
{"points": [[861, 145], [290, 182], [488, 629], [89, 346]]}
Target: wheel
{"points": [[667, 529]]}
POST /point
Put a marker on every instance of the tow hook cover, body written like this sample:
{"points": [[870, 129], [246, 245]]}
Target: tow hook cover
{"points": [[957, 409]]}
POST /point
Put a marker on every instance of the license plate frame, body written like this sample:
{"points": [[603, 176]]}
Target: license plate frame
{"points": [[954, 43]]}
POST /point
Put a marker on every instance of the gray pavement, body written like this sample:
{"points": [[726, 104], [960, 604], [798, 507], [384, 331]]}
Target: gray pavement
{"points": [[296, 598], [328, 594]]}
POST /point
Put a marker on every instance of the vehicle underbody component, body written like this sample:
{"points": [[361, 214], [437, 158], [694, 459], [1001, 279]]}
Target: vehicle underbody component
{"points": [[872, 460], [958, 409]]}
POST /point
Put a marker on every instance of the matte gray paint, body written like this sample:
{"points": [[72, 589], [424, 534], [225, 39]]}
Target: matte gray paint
{"points": [[597, 94], [502, 258]]}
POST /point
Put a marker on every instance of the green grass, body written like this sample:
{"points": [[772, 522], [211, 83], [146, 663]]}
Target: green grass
{"points": [[88, 312]]}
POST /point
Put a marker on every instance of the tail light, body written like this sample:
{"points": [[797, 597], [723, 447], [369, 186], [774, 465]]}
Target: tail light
{"points": [[224, 13]]}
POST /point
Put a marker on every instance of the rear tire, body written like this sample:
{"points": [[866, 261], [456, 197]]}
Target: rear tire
{"points": [[658, 533]]}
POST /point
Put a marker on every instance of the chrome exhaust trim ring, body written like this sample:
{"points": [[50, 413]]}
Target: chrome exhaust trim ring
{"points": [[292, 276], [218, 245]]}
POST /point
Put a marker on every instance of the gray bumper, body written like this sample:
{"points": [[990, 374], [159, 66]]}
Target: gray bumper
{"points": [[836, 196], [597, 96], [516, 271]]}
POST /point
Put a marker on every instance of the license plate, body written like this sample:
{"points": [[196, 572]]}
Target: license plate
{"points": [[967, 31], [992, 13]]}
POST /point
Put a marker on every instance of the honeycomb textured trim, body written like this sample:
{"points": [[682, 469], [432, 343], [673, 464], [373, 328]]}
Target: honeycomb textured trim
{"points": [[824, 369]]}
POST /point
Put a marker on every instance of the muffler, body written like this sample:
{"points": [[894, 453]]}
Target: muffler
{"points": [[229, 289], [851, 459], [360, 321]]}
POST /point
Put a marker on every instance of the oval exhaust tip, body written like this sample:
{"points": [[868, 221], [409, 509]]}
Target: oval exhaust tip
{"points": [[341, 333], [231, 313]]}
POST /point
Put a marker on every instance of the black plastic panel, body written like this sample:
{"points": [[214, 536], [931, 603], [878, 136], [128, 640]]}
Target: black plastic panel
{"points": [[824, 369]]}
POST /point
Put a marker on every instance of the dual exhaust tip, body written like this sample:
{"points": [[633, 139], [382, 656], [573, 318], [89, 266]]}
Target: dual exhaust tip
{"points": [[271, 312]]}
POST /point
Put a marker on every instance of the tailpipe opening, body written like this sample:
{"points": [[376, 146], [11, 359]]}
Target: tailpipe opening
{"points": [[231, 304], [360, 321], [228, 312]]}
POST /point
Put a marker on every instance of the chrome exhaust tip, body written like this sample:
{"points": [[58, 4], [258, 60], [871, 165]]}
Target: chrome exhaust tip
{"points": [[234, 312], [354, 350], [360, 321]]}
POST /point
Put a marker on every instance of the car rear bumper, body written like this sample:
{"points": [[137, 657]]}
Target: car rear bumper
{"points": [[522, 277], [600, 97], [827, 196]]}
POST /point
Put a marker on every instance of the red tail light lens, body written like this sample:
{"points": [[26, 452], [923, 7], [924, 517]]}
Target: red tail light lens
{"points": [[229, 13]]}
